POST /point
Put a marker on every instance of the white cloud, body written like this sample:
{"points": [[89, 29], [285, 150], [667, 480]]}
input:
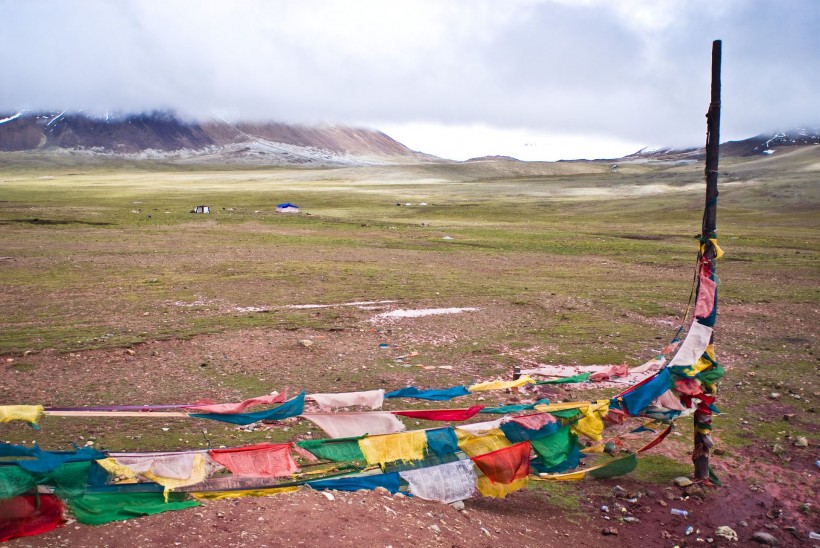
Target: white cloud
{"points": [[631, 71]]}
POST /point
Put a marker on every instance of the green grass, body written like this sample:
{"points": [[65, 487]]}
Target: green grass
{"points": [[592, 271]]}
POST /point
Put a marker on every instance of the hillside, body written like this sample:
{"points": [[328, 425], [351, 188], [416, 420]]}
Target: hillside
{"points": [[161, 135]]}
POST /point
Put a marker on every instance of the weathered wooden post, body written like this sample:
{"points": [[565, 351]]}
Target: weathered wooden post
{"points": [[703, 443]]}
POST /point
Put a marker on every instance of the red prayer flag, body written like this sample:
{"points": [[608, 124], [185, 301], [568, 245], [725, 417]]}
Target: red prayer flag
{"points": [[507, 464], [261, 460], [21, 516], [442, 414]]}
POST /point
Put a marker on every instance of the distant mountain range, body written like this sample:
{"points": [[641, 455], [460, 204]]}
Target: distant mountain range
{"points": [[164, 136], [765, 143]]}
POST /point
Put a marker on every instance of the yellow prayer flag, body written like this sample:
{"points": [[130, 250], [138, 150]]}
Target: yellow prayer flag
{"points": [[592, 425], [266, 492], [571, 476], [121, 473], [404, 446], [480, 444], [28, 413], [500, 490], [501, 385]]}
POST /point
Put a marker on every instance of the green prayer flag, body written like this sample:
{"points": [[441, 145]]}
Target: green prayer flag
{"points": [[98, 508], [566, 414], [616, 468], [15, 481], [580, 377], [336, 450], [555, 448]]}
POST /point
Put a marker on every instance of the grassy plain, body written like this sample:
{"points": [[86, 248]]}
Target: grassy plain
{"points": [[567, 262]]}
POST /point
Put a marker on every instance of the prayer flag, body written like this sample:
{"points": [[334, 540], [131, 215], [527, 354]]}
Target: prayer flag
{"points": [[505, 465], [444, 483], [260, 460]]}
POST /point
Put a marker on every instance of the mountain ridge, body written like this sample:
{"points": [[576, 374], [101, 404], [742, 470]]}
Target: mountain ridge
{"points": [[162, 134]]}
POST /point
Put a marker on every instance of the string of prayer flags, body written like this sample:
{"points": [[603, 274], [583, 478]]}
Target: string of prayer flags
{"points": [[405, 446], [528, 428], [370, 398], [445, 483], [26, 413], [291, 408], [348, 425], [432, 395], [441, 414], [271, 460], [234, 408], [501, 385], [391, 482]]}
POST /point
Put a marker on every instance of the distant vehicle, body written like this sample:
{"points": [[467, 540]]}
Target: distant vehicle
{"points": [[201, 209]]}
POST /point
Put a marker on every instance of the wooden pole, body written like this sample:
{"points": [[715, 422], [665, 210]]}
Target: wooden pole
{"points": [[703, 443], [712, 145]]}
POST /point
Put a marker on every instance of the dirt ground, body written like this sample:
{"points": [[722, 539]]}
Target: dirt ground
{"points": [[759, 493]]}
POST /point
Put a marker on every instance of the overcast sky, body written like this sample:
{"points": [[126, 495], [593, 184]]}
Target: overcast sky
{"points": [[534, 79]]}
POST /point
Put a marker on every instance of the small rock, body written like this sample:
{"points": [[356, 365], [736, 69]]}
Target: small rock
{"points": [[719, 452], [662, 503], [129, 352], [788, 416], [328, 495], [458, 505], [619, 491], [805, 508], [801, 441], [381, 490], [777, 449], [682, 481], [742, 523], [607, 531], [399, 495], [666, 534], [631, 519], [765, 538], [774, 396], [726, 532], [307, 343], [435, 528]]}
